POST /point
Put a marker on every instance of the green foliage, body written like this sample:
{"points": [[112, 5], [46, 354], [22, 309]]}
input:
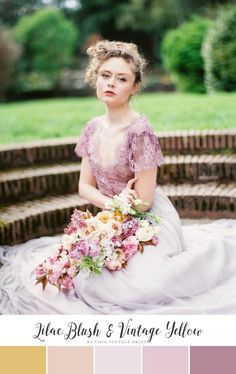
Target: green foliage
{"points": [[48, 41], [9, 53], [181, 52], [94, 266], [219, 53]]}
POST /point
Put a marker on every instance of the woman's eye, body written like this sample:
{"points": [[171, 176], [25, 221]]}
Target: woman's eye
{"points": [[107, 76]]}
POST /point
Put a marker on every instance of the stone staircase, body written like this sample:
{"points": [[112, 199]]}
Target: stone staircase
{"points": [[39, 181]]}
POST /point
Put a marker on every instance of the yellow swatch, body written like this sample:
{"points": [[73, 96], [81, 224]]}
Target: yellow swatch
{"points": [[23, 360]]}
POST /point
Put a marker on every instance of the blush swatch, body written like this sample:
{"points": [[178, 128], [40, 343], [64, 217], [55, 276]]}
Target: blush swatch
{"points": [[73, 360]]}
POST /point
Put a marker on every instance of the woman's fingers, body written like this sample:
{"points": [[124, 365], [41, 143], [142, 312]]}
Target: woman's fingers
{"points": [[130, 197], [131, 181], [134, 193], [131, 194]]}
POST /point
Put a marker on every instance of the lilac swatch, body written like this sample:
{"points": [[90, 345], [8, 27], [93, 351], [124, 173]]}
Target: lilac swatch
{"points": [[213, 360], [165, 360], [117, 360]]}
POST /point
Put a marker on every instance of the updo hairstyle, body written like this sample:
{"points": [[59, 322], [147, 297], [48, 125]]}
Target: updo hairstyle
{"points": [[104, 49]]}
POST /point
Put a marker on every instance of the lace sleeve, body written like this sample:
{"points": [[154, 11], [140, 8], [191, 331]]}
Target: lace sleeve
{"points": [[82, 146], [145, 152]]}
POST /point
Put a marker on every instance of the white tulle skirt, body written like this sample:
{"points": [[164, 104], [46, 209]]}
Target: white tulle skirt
{"points": [[191, 271]]}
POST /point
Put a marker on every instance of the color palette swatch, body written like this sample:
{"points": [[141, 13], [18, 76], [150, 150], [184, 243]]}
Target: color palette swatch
{"points": [[118, 360], [215, 360], [73, 360], [23, 360], [165, 360]]}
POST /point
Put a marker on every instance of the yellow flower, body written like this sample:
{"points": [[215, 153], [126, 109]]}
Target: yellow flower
{"points": [[118, 216], [104, 216]]}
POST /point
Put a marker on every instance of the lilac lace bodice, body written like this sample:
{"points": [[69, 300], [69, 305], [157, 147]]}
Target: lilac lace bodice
{"points": [[137, 150]]}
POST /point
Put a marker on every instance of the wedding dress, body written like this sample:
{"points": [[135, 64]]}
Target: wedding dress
{"points": [[192, 270]]}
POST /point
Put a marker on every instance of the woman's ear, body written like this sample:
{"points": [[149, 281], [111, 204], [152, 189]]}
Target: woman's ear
{"points": [[135, 88]]}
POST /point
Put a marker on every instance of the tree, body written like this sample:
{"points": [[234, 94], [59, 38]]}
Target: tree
{"points": [[9, 53], [219, 52], [48, 40], [144, 22], [12, 10], [181, 50]]}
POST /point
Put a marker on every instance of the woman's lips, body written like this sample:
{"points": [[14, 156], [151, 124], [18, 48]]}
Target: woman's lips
{"points": [[109, 93]]}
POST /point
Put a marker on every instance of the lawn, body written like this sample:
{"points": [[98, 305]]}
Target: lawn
{"points": [[53, 118]]}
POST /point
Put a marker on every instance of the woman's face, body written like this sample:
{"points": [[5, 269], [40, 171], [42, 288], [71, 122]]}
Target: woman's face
{"points": [[115, 82]]}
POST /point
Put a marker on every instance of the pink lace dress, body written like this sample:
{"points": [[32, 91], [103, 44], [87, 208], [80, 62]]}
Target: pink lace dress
{"points": [[114, 163], [192, 270]]}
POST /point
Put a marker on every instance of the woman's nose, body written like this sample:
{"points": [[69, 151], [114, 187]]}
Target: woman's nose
{"points": [[111, 82]]}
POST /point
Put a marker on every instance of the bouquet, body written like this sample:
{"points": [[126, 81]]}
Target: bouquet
{"points": [[92, 243]]}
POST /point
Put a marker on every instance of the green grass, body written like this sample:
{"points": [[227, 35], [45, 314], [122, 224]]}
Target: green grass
{"points": [[52, 118]]}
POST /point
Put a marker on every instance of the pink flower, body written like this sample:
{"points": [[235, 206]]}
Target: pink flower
{"points": [[116, 241], [113, 265], [155, 240], [77, 222], [52, 260], [67, 282], [129, 226], [72, 271], [40, 271], [75, 254], [130, 247], [85, 247], [53, 278], [81, 246], [94, 248]]}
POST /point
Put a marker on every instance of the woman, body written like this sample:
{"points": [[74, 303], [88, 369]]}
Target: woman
{"points": [[190, 273]]}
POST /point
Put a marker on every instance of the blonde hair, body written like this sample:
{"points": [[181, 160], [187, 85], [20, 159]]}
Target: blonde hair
{"points": [[104, 49]]}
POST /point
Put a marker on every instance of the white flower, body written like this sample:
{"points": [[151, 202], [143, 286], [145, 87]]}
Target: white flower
{"points": [[109, 229], [68, 240], [119, 202], [144, 223], [156, 229], [144, 234]]}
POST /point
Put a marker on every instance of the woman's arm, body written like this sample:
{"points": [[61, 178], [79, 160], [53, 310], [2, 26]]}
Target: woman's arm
{"points": [[145, 185], [87, 186]]}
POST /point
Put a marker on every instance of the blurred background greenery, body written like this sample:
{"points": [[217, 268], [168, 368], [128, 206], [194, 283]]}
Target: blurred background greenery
{"points": [[190, 46]]}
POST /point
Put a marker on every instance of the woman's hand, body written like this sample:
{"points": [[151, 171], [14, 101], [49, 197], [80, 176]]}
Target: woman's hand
{"points": [[128, 192]]}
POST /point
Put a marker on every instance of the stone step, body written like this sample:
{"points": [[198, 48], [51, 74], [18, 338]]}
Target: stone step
{"points": [[38, 152], [197, 168], [43, 180], [172, 142], [212, 200], [195, 141], [46, 216], [49, 215], [38, 181]]}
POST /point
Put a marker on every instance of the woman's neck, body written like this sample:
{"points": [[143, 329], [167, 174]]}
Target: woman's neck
{"points": [[117, 116]]}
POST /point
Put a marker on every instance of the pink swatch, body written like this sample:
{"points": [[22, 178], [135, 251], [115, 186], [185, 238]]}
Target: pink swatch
{"points": [[165, 360]]}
